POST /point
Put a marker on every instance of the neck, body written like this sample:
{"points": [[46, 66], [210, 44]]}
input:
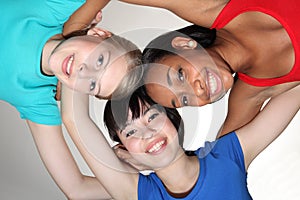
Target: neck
{"points": [[49, 47], [231, 52], [181, 175]]}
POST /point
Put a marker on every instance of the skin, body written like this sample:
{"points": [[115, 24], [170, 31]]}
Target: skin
{"points": [[85, 15], [186, 168], [90, 58], [192, 81], [59, 161], [237, 50], [141, 135]]}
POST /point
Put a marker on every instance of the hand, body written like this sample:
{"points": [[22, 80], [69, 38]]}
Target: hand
{"points": [[124, 155], [96, 31], [58, 91], [97, 18]]}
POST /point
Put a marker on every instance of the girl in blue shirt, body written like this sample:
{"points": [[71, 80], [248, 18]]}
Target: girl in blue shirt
{"points": [[152, 135], [34, 57]]}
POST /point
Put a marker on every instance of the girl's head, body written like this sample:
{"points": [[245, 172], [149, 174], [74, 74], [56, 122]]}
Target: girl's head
{"points": [[97, 63], [179, 72], [150, 132]]}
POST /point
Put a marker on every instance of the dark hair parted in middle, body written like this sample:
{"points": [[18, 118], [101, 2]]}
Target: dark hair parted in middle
{"points": [[116, 113]]}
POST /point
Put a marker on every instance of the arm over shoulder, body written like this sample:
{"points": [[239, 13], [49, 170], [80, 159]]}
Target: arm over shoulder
{"points": [[200, 12], [61, 165], [244, 103], [269, 123], [109, 170], [84, 16]]}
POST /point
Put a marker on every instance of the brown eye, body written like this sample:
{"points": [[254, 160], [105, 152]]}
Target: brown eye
{"points": [[185, 101], [180, 74], [130, 133]]}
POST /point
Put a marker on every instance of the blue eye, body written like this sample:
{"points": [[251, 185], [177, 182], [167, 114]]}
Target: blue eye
{"points": [[100, 60], [93, 85]]}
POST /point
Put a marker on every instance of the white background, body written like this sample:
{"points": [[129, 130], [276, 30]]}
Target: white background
{"points": [[274, 175]]}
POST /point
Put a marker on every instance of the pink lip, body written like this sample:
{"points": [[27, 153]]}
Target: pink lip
{"points": [[153, 143], [65, 65]]}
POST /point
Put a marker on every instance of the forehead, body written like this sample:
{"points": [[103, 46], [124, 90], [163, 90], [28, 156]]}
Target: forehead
{"points": [[112, 76], [108, 45], [136, 110], [157, 75], [161, 94], [157, 85]]}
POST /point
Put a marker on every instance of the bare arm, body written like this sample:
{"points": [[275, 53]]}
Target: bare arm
{"points": [[268, 124], [245, 102], [84, 16], [93, 146], [61, 165], [200, 12]]}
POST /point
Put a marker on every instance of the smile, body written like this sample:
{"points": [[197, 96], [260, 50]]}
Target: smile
{"points": [[213, 82], [156, 147], [67, 65]]}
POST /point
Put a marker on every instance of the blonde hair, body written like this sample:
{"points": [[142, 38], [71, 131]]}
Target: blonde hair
{"points": [[133, 56]]}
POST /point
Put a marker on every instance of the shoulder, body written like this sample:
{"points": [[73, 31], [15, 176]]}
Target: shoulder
{"points": [[150, 185], [226, 147]]}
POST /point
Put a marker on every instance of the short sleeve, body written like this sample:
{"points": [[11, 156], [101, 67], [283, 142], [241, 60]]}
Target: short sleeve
{"points": [[229, 146], [63, 9], [47, 114]]}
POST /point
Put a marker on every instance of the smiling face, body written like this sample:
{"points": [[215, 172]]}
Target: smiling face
{"points": [[89, 65], [191, 79], [151, 139]]}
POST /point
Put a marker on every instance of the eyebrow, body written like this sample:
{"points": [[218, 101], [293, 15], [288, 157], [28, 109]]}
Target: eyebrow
{"points": [[99, 78], [170, 83], [147, 110]]}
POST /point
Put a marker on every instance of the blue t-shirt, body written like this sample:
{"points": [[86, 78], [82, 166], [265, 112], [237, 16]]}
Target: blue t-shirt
{"points": [[26, 25], [222, 174]]}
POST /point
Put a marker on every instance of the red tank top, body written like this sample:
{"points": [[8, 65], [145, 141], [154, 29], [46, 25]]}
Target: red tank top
{"points": [[286, 12]]}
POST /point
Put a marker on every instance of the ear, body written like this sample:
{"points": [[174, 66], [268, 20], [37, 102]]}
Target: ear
{"points": [[183, 43], [99, 32]]}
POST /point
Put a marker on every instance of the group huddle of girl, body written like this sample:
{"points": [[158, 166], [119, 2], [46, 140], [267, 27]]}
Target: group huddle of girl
{"points": [[250, 48]]}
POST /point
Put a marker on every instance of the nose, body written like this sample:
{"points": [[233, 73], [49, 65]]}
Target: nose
{"points": [[198, 88], [87, 72], [145, 133], [83, 71]]}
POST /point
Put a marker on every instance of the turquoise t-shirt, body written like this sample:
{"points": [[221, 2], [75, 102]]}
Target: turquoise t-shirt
{"points": [[26, 25], [222, 174]]}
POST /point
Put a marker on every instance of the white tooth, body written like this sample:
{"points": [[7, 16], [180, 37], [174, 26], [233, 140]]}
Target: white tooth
{"points": [[156, 147], [69, 64], [212, 83]]}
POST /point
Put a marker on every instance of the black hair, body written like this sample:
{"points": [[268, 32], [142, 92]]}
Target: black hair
{"points": [[161, 46], [116, 113]]}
